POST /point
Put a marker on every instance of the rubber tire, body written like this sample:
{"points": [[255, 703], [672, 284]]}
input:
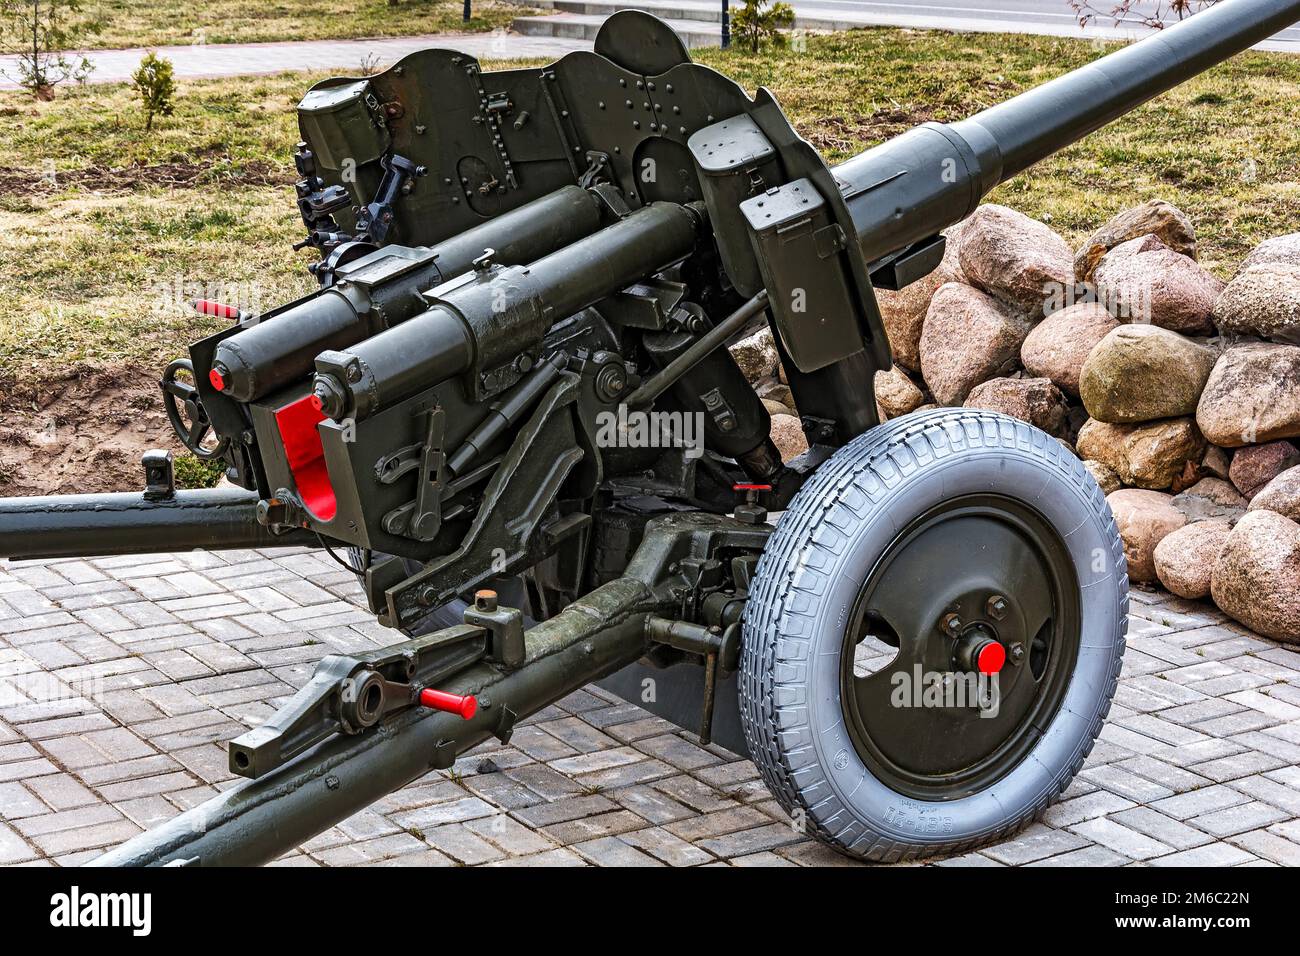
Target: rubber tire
{"points": [[805, 586]]}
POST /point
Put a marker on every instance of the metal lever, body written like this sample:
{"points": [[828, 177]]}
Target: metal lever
{"points": [[719, 648], [349, 694]]}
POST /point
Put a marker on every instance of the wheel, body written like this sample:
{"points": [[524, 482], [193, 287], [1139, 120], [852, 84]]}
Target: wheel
{"points": [[185, 412], [934, 635]]}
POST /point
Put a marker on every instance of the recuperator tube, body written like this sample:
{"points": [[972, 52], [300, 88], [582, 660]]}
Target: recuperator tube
{"points": [[281, 349], [487, 319]]}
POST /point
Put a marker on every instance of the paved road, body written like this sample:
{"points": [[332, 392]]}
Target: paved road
{"points": [[122, 678], [239, 59], [1054, 16]]}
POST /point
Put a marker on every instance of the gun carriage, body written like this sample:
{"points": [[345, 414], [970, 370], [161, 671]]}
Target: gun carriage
{"points": [[518, 267]]}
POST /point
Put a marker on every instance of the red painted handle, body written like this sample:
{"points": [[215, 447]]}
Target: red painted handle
{"points": [[219, 309], [466, 706]]}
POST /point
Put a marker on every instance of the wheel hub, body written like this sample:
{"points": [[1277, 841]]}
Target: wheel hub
{"points": [[980, 599]]}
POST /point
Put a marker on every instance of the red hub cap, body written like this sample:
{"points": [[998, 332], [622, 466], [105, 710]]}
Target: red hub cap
{"points": [[990, 658]]}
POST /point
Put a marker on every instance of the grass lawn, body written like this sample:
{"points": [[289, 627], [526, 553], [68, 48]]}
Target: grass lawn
{"points": [[129, 23], [105, 230]]}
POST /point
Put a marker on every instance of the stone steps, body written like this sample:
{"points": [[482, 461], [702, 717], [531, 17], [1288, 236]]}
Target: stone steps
{"points": [[697, 22]]}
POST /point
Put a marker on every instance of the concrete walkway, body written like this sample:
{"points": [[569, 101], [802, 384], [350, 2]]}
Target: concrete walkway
{"points": [[122, 679], [238, 59]]}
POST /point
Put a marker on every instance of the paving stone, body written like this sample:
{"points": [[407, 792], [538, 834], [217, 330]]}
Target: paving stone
{"points": [[610, 851], [1212, 854], [462, 844], [815, 853], [13, 848], [1115, 836], [753, 840], [651, 804], [587, 828], [86, 838], [1091, 805], [562, 810], [718, 823], [1085, 856], [1175, 779], [453, 811], [1238, 765], [561, 856], [1184, 806], [668, 847], [1233, 820], [1127, 784], [1160, 827], [1268, 845], [509, 835], [678, 752], [1035, 843]]}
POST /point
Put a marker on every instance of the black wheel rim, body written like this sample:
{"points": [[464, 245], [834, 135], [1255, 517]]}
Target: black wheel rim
{"points": [[973, 570]]}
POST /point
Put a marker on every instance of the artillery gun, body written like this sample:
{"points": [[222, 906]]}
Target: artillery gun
{"points": [[524, 276]]}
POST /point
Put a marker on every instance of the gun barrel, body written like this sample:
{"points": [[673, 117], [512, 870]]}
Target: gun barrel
{"points": [[909, 188]]}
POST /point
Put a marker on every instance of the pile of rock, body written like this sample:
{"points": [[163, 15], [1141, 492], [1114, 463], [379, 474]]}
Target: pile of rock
{"points": [[1181, 393]]}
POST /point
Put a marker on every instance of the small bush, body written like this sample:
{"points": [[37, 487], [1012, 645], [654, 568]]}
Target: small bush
{"points": [[153, 81], [760, 21], [194, 472]]}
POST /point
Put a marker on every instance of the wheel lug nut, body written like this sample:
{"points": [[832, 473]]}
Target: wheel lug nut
{"points": [[951, 624], [996, 607], [1016, 652]]}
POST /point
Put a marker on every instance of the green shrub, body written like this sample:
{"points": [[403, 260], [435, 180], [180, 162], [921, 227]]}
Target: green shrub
{"points": [[153, 81]]}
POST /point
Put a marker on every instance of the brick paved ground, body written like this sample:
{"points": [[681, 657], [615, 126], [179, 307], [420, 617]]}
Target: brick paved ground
{"points": [[121, 679]]}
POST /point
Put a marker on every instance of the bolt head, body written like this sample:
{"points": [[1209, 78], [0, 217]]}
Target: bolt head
{"points": [[997, 607]]}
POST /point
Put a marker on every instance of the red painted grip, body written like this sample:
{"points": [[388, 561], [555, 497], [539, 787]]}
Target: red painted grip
{"points": [[466, 706], [219, 309]]}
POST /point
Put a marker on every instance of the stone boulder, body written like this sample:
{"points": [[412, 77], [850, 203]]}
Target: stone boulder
{"points": [[1257, 577], [1256, 465], [1146, 282], [1140, 373], [1280, 250], [903, 311], [1210, 499], [1033, 400], [1252, 395], [756, 355], [1144, 519], [1015, 258], [776, 392], [1147, 456], [788, 436], [1155, 217], [896, 394], [1263, 301], [1185, 559], [1282, 495], [1104, 475], [776, 408], [969, 337], [1057, 347]]}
